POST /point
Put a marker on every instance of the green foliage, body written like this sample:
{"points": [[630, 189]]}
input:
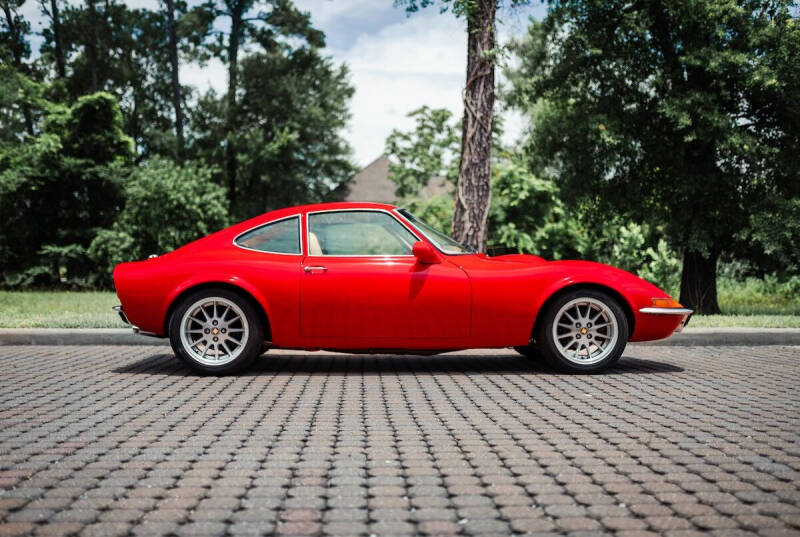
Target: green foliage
{"points": [[288, 133], [668, 113], [427, 151], [756, 296], [58, 188], [528, 216], [166, 206], [131, 63], [637, 248], [436, 211], [772, 236], [458, 7]]}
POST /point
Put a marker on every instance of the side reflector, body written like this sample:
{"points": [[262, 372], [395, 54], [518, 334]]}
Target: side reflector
{"points": [[665, 303]]}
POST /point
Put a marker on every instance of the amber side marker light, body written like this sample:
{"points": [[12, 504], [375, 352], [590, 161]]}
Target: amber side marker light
{"points": [[665, 303]]}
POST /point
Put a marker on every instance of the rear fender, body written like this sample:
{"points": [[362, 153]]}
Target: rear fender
{"points": [[210, 279]]}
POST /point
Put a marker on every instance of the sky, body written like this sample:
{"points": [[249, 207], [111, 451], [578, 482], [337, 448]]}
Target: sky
{"points": [[397, 62]]}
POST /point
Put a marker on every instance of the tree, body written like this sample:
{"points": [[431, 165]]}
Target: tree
{"points": [[473, 191], [266, 28], [667, 113], [288, 132], [54, 35], [14, 47], [176, 85], [429, 150], [278, 143], [133, 61], [195, 204], [59, 188]]}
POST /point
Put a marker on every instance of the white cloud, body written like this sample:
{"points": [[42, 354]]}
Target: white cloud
{"points": [[213, 74], [418, 61], [397, 62], [325, 13]]}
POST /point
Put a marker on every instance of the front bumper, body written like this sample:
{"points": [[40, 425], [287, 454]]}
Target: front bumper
{"points": [[684, 312]]}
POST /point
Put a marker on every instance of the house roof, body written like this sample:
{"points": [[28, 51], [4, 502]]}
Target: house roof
{"points": [[370, 184], [373, 184]]}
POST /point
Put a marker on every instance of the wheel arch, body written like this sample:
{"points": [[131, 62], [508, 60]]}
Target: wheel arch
{"points": [[239, 290], [623, 302]]}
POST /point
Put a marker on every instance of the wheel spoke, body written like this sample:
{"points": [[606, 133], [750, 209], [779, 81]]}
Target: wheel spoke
{"points": [[198, 320], [578, 314]]}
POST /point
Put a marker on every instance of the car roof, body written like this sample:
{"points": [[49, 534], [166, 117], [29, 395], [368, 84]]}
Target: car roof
{"points": [[341, 205], [302, 209]]}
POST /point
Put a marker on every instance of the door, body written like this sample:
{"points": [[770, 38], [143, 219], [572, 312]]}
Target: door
{"points": [[361, 282]]}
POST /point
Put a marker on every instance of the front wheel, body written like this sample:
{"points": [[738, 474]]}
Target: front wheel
{"points": [[216, 331], [583, 331]]}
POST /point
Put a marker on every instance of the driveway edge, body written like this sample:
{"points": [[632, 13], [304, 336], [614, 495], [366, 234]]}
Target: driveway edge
{"points": [[124, 336], [75, 336]]}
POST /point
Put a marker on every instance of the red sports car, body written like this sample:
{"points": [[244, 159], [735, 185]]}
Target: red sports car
{"points": [[369, 277]]}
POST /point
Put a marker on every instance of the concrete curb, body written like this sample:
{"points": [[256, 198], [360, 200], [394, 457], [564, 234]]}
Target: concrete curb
{"points": [[124, 336], [730, 336], [75, 336]]}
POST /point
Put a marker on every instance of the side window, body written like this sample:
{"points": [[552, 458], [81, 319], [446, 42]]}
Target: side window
{"points": [[282, 237], [357, 233]]}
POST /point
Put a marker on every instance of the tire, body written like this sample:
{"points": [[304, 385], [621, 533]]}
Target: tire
{"points": [[239, 337], [529, 351], [583, 331]]}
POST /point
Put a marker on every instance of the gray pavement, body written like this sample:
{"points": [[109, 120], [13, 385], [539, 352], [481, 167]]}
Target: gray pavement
{"points": [[125, 440]]}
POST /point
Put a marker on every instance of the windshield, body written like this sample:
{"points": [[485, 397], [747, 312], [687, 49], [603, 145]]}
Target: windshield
{"points": [[440, 240]]}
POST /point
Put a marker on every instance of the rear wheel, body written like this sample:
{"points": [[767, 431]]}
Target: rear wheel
{"points": [[216, 331], [583, 331]]}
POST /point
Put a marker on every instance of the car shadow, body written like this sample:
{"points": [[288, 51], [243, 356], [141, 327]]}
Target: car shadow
{"points": [[359, 364]]}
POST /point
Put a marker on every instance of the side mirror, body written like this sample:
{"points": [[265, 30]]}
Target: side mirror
{"points": [[425, 253]]}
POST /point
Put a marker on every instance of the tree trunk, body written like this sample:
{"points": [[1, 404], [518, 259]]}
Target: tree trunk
{"points": [[473, 192], [61, 68], [93, 43], [230, 123], [17, 48], [176, 86], [699, 282]]}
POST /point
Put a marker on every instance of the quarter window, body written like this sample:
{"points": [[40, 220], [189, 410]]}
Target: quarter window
{"points": [[282, 237], [357, 233]]}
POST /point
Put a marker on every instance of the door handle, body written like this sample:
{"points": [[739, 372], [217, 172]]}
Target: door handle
{"points": [[315, 269]]}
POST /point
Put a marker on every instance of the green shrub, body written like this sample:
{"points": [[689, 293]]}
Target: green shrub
{"points": [[166, 206]]}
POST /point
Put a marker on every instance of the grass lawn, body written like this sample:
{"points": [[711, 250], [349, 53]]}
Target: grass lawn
{"points": [[60, 309]]}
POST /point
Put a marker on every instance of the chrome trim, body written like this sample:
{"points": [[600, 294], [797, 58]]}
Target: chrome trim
{"points": [[140, 332], [121, 313], [299, 235], [362, 210], [666, 311], [315, 267]]}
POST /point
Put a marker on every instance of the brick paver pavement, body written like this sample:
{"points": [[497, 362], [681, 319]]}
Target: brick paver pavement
{"points": [[126, 441]]}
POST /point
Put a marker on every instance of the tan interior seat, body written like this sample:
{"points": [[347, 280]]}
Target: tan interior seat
{"points": [[313, 245]]}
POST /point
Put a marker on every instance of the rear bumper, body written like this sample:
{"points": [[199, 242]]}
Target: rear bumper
{"points": [[684, 312], [135, 328], [121, 313]]}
